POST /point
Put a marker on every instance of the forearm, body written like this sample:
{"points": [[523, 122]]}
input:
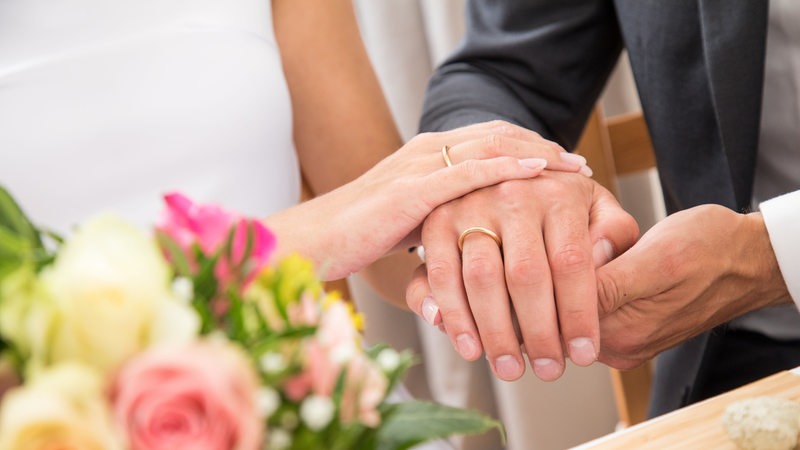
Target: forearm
{"points": [[342, 124]]}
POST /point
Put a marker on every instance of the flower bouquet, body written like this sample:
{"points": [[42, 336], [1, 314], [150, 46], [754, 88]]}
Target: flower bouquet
{"points": [[190, 338]]}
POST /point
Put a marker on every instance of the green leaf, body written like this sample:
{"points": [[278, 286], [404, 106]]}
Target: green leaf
{"points": [[410, 423], [20, 242], [175, 254], [14, 219]]}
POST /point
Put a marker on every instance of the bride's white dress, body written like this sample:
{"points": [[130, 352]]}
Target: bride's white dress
{"points": [[108, 104], [105, 105]]}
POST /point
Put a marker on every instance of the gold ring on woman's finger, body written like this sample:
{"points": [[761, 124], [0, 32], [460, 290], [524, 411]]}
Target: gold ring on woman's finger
{"points": [[446, 155]]}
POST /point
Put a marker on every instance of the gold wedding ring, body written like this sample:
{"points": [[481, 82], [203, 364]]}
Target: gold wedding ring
{"points": [[481, 230], [446, 155]]}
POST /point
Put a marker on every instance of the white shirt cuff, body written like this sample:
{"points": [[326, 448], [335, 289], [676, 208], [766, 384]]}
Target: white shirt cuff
{"points": [[782, 218]]}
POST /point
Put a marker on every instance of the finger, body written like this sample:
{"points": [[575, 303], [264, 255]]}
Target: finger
{"points": [[419, 297], [530, 286], [566, 231], [494, 145], [612, 230], [442, 186], [478, 130], [484, 282], [446, 286], [625, 279]]}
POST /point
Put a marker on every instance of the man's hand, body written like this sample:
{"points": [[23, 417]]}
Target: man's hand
{"points": [[692, 271], [554, 230]]}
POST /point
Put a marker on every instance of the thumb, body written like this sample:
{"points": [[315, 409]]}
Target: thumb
{"points": [[613, 289], [612, 229], [631, 276]]}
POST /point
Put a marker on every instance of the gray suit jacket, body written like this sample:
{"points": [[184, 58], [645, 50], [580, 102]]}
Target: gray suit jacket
{"points": [[698, 66]]}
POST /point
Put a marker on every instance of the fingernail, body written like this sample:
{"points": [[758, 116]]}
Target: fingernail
{"points": [[572, 158], [586, 171], [421, 253], [533, 163], [582, 352], [602, 252], [507, 367], [466, 346], [430, 310], [547, 369]]}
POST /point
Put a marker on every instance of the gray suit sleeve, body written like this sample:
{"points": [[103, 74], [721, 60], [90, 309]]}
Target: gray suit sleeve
{"points": [[537, 63]]}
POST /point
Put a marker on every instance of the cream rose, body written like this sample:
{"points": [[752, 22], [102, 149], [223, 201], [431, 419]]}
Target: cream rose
{"points": [[62, 407], [108, 296], [197, 396]]}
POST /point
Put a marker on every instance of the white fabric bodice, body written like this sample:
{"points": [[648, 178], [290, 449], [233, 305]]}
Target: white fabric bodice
{"points": [[108, 104]]}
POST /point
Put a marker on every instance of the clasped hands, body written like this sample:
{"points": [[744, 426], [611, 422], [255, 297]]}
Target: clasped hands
{"points": [[564, 275]]}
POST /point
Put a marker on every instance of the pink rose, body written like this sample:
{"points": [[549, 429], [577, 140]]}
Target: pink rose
{"points": [[208, 226], [199, 396]]}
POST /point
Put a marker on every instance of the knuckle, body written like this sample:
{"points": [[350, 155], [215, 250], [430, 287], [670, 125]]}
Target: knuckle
{"points": [[440, 272], [571, 258], [554, 147], [439, 217], [457, 320], [608, 295], [479, 271], [540, 343], [422, 137], [494, 143], [512, 190], [500, 126], [497, 339], [522, 272]]}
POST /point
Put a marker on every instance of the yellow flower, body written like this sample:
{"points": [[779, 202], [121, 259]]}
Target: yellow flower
{"points": [[63, 407]]}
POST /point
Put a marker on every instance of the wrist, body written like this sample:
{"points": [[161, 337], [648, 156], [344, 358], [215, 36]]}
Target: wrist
{"points": [[764, 261]]}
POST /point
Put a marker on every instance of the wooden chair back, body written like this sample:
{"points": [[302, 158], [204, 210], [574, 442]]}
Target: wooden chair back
{"points": [[617, 146]]}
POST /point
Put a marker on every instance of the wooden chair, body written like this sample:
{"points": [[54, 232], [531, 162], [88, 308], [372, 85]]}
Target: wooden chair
{"points": [[617, 146]]}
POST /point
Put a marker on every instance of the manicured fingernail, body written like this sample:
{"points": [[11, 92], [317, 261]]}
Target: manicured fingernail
{"points": [[547, 369], [602, 252], [572, 158], [421, 253], [533, 163], [582, 352], [466, 346], [586, 171], [430, 310], [507, 367]]}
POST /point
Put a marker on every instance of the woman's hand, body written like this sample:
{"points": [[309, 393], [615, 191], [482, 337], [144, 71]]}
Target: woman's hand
{"points": [[382, 210]]}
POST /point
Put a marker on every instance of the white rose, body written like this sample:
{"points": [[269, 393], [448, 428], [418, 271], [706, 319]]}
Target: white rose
{"points": [[62, 407], [110, 297]]}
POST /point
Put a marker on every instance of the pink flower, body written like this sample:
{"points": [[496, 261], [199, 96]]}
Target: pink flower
{"points": [[334, 348], [199, 396], [208, 227], [364, 389]]}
